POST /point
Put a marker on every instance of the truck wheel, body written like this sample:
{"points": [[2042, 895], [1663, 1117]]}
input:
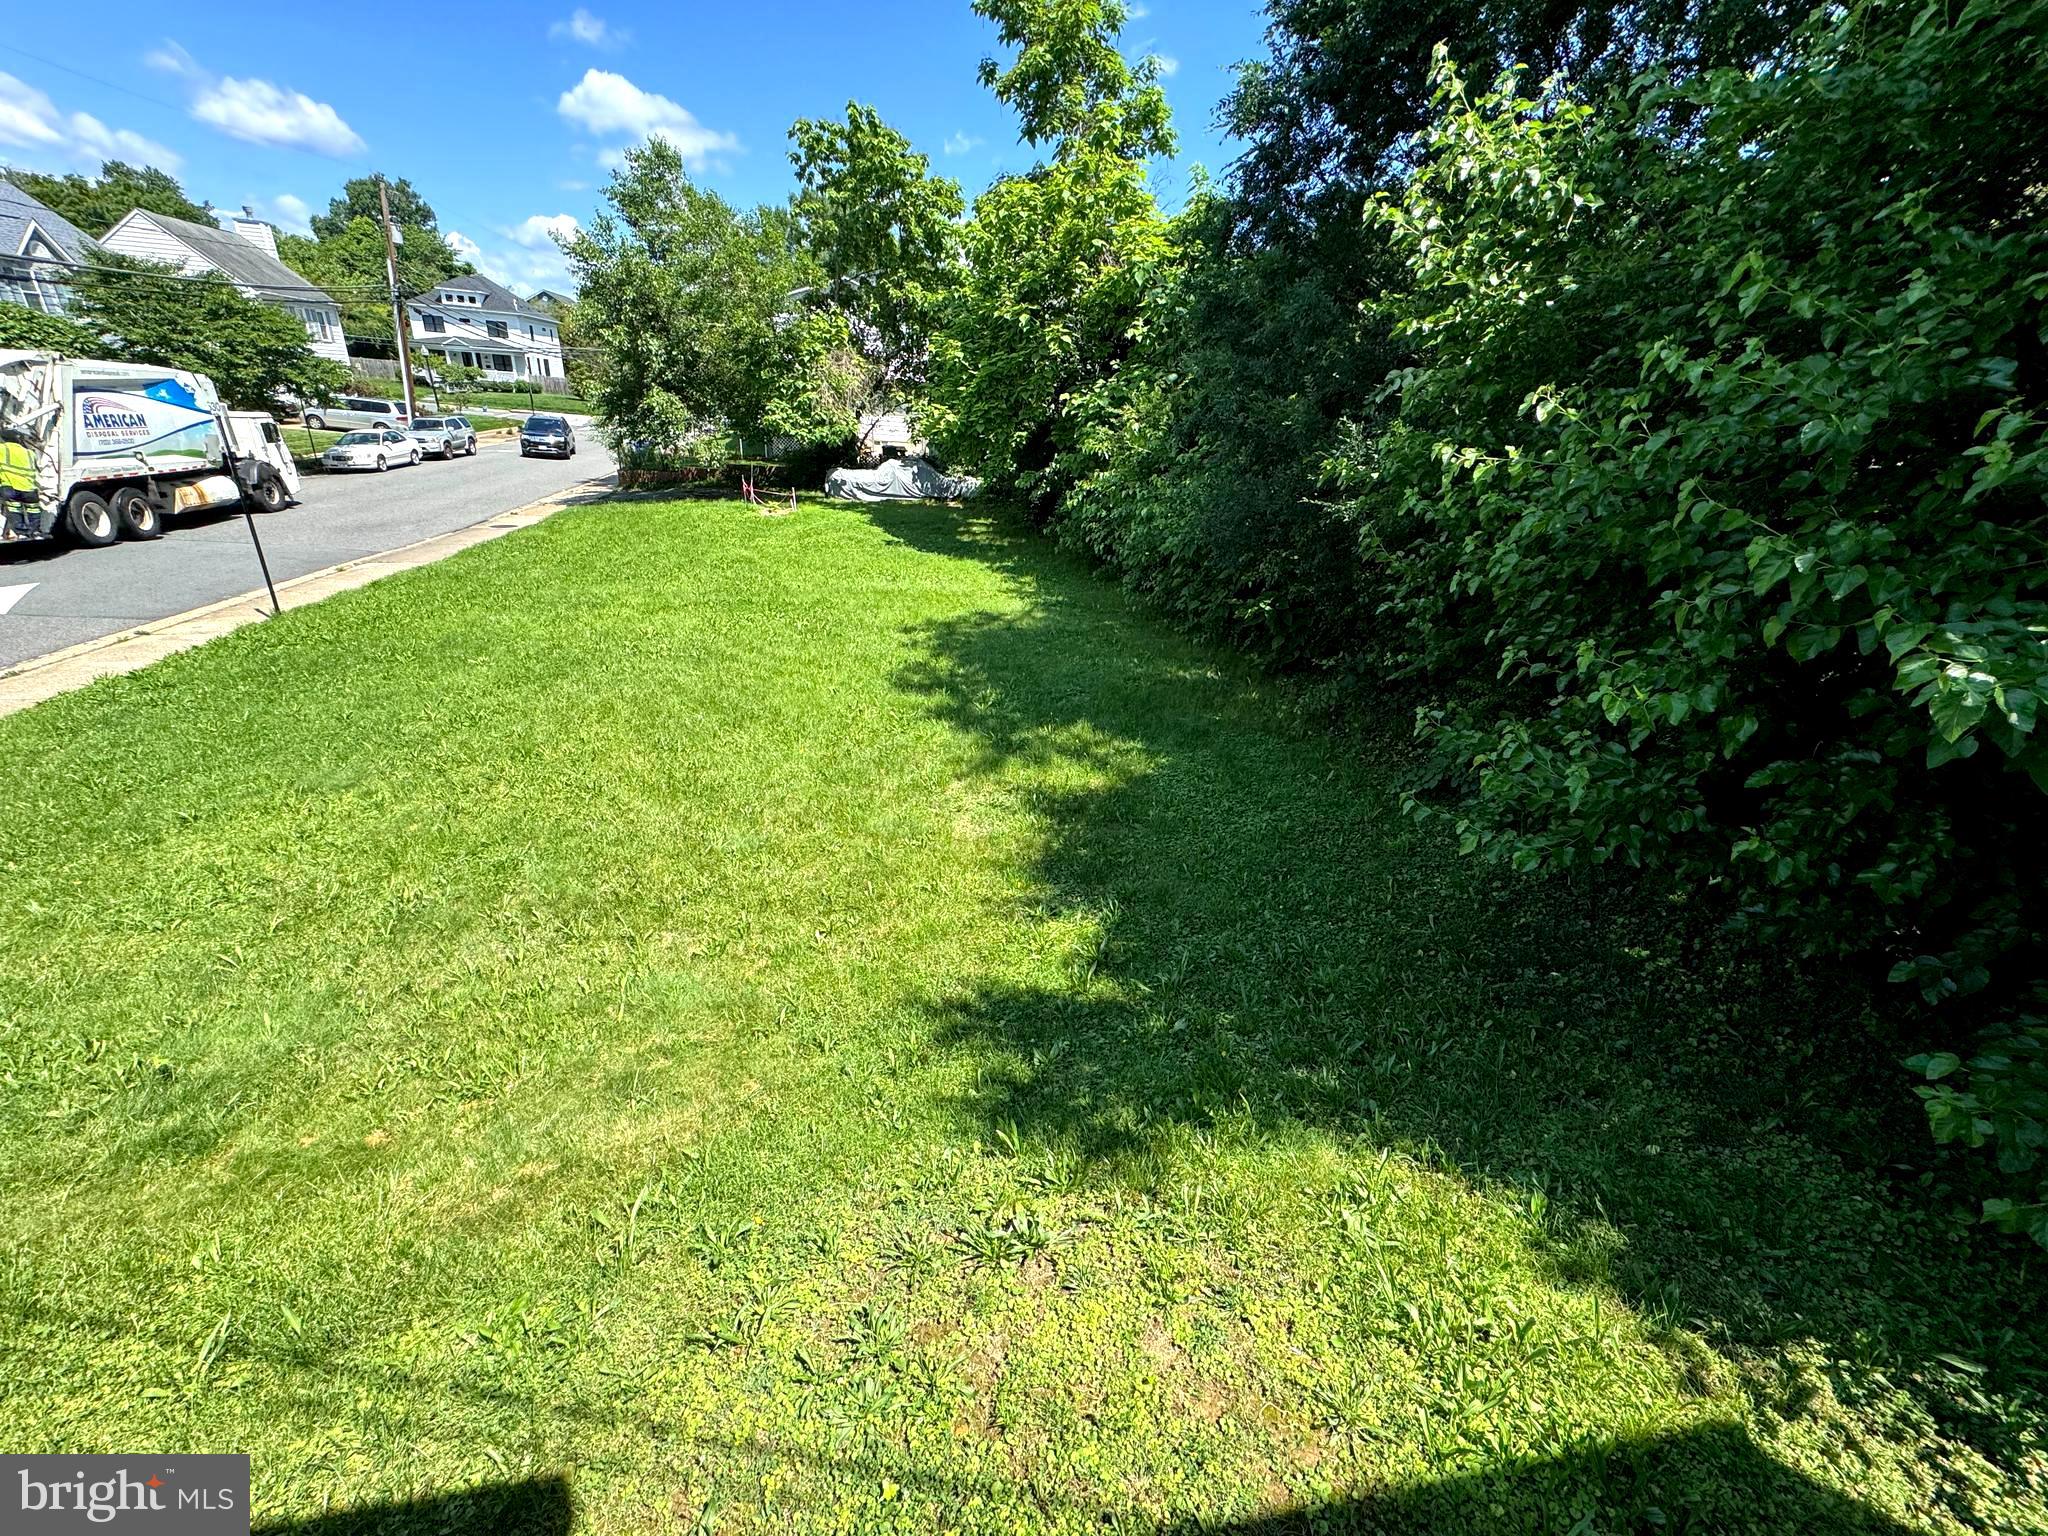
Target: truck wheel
{"points": [[269, 493], [137, 515], [90, 520], [471, 449]]}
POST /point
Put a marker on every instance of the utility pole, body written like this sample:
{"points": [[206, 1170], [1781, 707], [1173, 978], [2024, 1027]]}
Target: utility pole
{"points": [[404, 331]]}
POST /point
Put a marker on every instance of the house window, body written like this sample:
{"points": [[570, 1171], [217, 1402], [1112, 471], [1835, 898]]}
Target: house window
{"points": [[432, 324], [501, 362], [498, 329]]}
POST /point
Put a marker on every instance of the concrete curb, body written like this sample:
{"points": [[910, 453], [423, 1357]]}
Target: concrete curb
{"points": [[128, 650]]}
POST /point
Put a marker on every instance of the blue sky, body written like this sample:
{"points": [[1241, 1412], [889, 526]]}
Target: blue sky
{"points": [[508, 116]]}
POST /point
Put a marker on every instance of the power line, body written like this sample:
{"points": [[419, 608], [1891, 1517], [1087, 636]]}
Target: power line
{"points": [[126, 90], [69, 275]]}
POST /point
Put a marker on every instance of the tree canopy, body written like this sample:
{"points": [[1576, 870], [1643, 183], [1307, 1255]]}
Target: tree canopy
{"points": [[252, 351], [97, 203], [884, 232], [345, 254], [697, 305], [360, 199]]}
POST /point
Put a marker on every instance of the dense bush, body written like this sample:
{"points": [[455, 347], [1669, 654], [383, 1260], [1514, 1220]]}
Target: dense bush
{"points": [[30, 330], [1723, 448], [1675, 437]]}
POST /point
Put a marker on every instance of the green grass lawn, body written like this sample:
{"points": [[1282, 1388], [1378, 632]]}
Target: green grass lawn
{"points": [[681, 1019], [306, 441], [483, 399]]}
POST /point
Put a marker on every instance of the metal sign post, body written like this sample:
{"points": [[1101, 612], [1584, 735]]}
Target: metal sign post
{"points": [[268, 585]]}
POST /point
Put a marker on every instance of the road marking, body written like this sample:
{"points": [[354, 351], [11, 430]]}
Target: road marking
{"points": [[9, 596]]}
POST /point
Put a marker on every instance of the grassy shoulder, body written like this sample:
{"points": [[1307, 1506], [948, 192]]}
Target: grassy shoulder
{"points": [[832, 1021], [479, 399]]}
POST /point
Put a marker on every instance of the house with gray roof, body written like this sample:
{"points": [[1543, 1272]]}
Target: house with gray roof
{"points": [[38, 248], [480, 323], [246, 255]]}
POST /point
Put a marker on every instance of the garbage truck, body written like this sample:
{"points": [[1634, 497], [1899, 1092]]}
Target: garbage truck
{"points": [[102, 450]]}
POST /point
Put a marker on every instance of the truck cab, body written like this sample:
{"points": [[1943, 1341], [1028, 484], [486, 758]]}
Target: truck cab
{"points": [[264, 467]]}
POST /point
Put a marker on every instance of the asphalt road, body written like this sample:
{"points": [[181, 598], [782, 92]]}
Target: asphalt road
{"points": [[82, 594]]}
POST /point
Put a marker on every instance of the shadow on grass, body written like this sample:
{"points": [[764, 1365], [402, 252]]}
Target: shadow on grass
{"points": [[1718, 1138], [539, 1506], [1711, 1479], [1655, 1485]]}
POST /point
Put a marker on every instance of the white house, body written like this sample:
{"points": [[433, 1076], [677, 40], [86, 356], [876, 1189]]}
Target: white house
{"points": [[38, 249], [482, 324], [245, 255]]}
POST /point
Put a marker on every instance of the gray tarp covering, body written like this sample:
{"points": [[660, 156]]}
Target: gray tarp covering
{"points": [[899, 480]]}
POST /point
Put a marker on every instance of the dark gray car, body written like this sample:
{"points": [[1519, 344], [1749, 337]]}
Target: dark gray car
{"points": [[547, 434]]}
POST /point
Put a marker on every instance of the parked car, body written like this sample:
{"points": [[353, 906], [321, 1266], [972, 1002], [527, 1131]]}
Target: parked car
{"points": [[547, 434], [358, 411], [371, 450], [445, 435], [432, 437]]}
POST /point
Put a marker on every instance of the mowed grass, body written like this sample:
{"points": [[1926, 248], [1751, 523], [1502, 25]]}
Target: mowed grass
{"points": [[682, 1019]]}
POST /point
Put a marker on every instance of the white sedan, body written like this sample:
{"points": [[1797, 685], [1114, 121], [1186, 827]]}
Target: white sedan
{"points": [[378, 449]]}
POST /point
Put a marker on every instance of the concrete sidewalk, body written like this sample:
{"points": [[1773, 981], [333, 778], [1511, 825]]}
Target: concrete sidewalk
{"points": [[128, 650]]}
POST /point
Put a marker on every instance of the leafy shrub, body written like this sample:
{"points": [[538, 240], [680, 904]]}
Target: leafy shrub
{"points": [[1723, 456], [1680, 445], [30, 330], [1999, 1098]]}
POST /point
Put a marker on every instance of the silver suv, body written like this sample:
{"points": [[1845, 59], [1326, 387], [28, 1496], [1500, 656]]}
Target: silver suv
{"points": [[350, 411], [444, 435]]}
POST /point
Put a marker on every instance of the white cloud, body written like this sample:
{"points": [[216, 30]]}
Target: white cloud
{"points": [[571, 184], [520, 256], [258, 111], [31, 122], [522, 269], [604, 104], [541, 231], [1167, 64], [961, 143], [1137, 12], [591, 31]]}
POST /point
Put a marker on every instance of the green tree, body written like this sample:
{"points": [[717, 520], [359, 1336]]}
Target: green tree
{"points": [[97, 203], [884, 231], [253, 351], [694, 299], [360, 199], [30, 330], [349, 263], [1058, 261], [1068, 81], [583, 356], [1057, 264], [345, 254]]}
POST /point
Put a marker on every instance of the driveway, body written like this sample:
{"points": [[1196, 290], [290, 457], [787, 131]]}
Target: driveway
{"points": [[53, 596]]}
